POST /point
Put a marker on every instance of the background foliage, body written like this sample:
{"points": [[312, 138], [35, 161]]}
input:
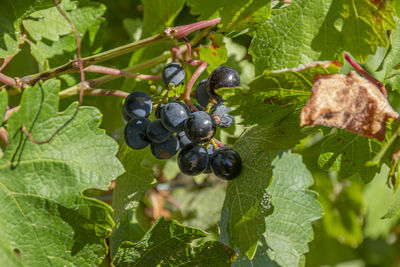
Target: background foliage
{"points": [[307, 196]]}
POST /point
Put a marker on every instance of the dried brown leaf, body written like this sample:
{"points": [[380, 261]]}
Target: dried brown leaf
{"points": [[348, 102]]}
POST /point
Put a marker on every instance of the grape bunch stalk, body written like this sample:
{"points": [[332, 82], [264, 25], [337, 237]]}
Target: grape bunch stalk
{"points": [[177, 126]]}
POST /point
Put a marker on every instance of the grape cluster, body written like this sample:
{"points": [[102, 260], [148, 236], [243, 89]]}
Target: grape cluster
{"points": [[177, 127]]}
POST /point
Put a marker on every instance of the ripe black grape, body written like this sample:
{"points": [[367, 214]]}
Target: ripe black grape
{"points": [[137, 104], [156, 132], [226, 163], [225, 119], [173, 116], [193, 159], [200, 127], [210, 151], [166, 149], [183, 139], [135, 133], [222, 76], [202, 93], [173, 73]]}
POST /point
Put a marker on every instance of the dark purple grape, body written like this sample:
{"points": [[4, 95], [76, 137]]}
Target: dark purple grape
{"points": [[226, 163], [166, 149], [137, 104], [225, 119], [183, 139], [193, 159], [173, 73], [200, 127], [210, 151], [157, 113], [173, 116], [156, 132], [222, 76], [135, 133], [202, 93]]}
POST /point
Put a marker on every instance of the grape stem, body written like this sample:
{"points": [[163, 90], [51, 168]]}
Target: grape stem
{"points": [[196, 74], [117, 72], [217, 143], [170, 33], [360, 70], [94, 92]]}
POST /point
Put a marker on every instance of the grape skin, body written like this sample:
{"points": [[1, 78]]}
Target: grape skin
{"points": [[166, 149], [156, 132], [137, 104], [202, 93], [135, 133], [221, 111], [222, 76], [173, 73], [200, 127], [226, 163], [173, 116], [193, 159]]}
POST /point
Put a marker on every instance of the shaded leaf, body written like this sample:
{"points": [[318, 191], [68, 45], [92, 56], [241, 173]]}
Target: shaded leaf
{"points": [[348, 153], [53, 36], [129, 190], [42, 185], [10, 32], [247, 202], [348, 102], [236, 15], [167, 243], [275, 94], [310, 30], [159, 14]]}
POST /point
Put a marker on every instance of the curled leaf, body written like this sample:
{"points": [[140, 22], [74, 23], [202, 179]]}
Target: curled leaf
{"points": [[348, 102]]}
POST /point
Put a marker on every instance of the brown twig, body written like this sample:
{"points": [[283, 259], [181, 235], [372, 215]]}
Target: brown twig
{"points": [[9, 112], [360, 70], [94, 92], [4, 135], [117, 72], [8, 80]]}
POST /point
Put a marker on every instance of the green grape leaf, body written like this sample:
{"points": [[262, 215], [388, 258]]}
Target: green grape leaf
{"points": [[159, 14], [288, 228], [53, 36], [347, 153], [129, 190], [42, 185], [247, 201], [11, 14], [215, 54], [3, 104], [168, 243], [310, 30], [275, 94], [391, 62], [236, 15]]}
